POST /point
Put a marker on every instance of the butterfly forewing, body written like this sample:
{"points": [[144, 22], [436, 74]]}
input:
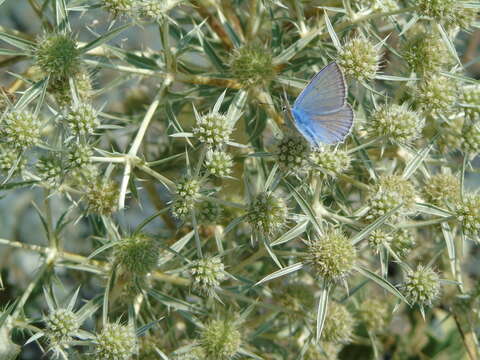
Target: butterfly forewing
{"points": [[325, 93]]}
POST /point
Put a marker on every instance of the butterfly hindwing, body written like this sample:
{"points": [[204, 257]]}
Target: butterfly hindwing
{"points": [[325, 93], [327, 129]]}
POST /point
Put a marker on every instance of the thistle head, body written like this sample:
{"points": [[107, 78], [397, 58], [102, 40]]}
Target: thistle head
{"points": [[57, 55], [252, 65], [20, 129], [421, 286], [61, 325], [116, 342], [220, 339], [267, 213], [436, 95], [442, 188], [101, 196], [213, 129], [468, 214], [331, 255], [207, 274], [396, 123], [359, 59], [187, 193], [292, 153], [330, 162], [219, 163], [339, 324], [82, 119], [403, 242], [137, 255], [374, 314]]}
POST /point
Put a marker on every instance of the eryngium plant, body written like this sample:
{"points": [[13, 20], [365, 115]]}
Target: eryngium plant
{"points": [[158, 204]]}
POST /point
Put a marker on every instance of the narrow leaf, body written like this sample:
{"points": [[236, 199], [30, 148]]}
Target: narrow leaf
{"points": [[279, 273]]}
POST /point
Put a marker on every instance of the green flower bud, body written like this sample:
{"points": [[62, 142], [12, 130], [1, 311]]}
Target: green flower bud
{"points": [[118, 8], [207, 274], [82, 119], [471, 98], [403, 242], [116, 342], [60, 88], [323, 351], [20, 129], [468, 213], [339, 324], [57, 55], [220, 340], [331, 256], [441, 189], [374, 314], [330, 162], [421, 286], [359, 58], [436, 94], [213, 129], [186, 194], [425, 51], [471, 140], [208, 212], [219, 163], [50, 170], [9, 158], [252, 65], [267, 213], [396, 123], [292, 153], [61, 325], [390, 192], [137, 255], [102, 197], [80, 156], [378, 239]]}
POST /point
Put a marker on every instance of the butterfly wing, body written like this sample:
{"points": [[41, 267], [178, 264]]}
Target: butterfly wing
{"points": [[325, 93], [327, 129]]}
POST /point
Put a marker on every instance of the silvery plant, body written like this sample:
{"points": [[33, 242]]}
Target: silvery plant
{"points": [[181, 180]]}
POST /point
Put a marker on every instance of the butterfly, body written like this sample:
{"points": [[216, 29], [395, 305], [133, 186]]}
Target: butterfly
{"points": [[321, 113]]}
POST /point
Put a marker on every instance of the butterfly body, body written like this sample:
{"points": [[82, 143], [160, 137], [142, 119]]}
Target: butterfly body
{"points": [[320, 112]]}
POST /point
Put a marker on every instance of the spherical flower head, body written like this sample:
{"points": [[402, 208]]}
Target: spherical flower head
{"points": [[389, 192], [137, 254], [186, 194], [396, 123], [332, 255], [436, 95], [155, 10], [60, 88], [471, 140], [323, 351], [220, 339], [471, 98], [252, 65], [374, 314], [80, 156], [219, 163], [378, 239], [339, 324], [329, 161], [50, 170], [102, 196], [441, 189], [463, 17], [436, 9], [403, 242], [292, 153], [57, 55], [116, 342], [208, 212], [61, 325], [20, 129], [297, 297], [267, 213], [11, 157], [118, 7], [207, 274], [451, 137], [468, 213], [421, 286], [425, 51], [82, 119], [359, 59], [213, 129]]}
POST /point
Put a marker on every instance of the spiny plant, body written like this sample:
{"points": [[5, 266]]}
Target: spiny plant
{"points": [[158, 204]]}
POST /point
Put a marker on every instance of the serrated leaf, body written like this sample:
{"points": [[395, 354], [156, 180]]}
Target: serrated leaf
{"points": [[373, 226], [282, 272], [103, 39], [380, 281], [291, 234], [322, 309], [332, 33], [18, 42]]}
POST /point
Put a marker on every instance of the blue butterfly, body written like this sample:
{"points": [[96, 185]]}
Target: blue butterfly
{"points": [[321, 112]]}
